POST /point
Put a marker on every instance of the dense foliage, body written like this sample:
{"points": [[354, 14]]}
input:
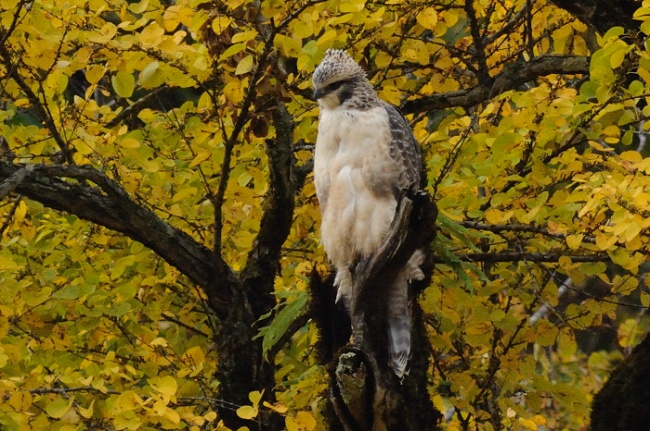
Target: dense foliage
{"points": [[533, 128]]}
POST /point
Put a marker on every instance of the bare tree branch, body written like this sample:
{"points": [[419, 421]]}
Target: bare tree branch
{"points": [[14, 21], [509, 26], [242, 119], [498, 228], [13, 181], [41, 108], [514, 256], [10, 215], [277, 218], [140, 104], [512, 76], [110, 206], [479, 45]]}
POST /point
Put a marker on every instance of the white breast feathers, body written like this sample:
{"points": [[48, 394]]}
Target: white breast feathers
{"points": [[355, 182]]}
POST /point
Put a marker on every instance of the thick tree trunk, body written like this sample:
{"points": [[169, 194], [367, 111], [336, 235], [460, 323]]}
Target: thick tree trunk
{"points": [[603, 14], [622, 404], [242, 367]]}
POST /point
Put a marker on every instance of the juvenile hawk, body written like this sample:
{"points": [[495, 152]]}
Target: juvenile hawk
{"points": [[365, 156]]}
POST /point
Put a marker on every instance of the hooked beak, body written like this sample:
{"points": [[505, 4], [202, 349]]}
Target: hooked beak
{"points": [[318, 93]]}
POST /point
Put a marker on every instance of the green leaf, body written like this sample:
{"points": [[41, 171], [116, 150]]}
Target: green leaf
{"points": [[151, 76], [123, 84], [68, 292], [442, 248], [284, 318], [460, 232], [59, 407]]}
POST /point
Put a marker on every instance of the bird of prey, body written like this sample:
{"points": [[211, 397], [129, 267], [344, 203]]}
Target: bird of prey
{"points": [[365, 156]]}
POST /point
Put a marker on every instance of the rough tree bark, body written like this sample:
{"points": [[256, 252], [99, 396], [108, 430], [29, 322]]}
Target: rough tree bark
{"points": [[513, 76], [622, 404], [364, 392], [603, 14]]}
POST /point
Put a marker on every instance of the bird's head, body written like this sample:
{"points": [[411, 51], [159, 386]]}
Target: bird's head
{"points": [[336, 77]]}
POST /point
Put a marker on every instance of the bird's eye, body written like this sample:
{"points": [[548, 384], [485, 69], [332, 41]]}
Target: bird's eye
{"points": [[335, 86]]}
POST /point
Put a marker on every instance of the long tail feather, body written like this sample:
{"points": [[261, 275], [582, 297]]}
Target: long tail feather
{"points": [[399, 315], [399, 326]]}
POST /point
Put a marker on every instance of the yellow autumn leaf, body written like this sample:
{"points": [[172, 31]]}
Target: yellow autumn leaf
{"points": [[175, 15], [126, 401], [172, 415], [450, 17], [617, 58], [277, 407], [185, 193], [195, 355], [566, 345], [288, 46], [7, 263], [4, 358], [303, 30], [129, 143], [127, 420], [255, 397], [94, 73], [247, 412], [301, 421], [220, 23], [631, 156], [245, 66], [352, 6], [166, 385], [574, 241], [159, 342], [20, 400], [87, 412], [271, 8], [210, 416], [633, 230], [245, 36], [8, 4], [427, 18], [624, 285], [234, 92], [151, 35], [151, 75], [150, 166], [539, 420], [106, 33], [233, 49], [627, 333], [528, 424], [605, 241], [645, 299], [200, 157]]}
